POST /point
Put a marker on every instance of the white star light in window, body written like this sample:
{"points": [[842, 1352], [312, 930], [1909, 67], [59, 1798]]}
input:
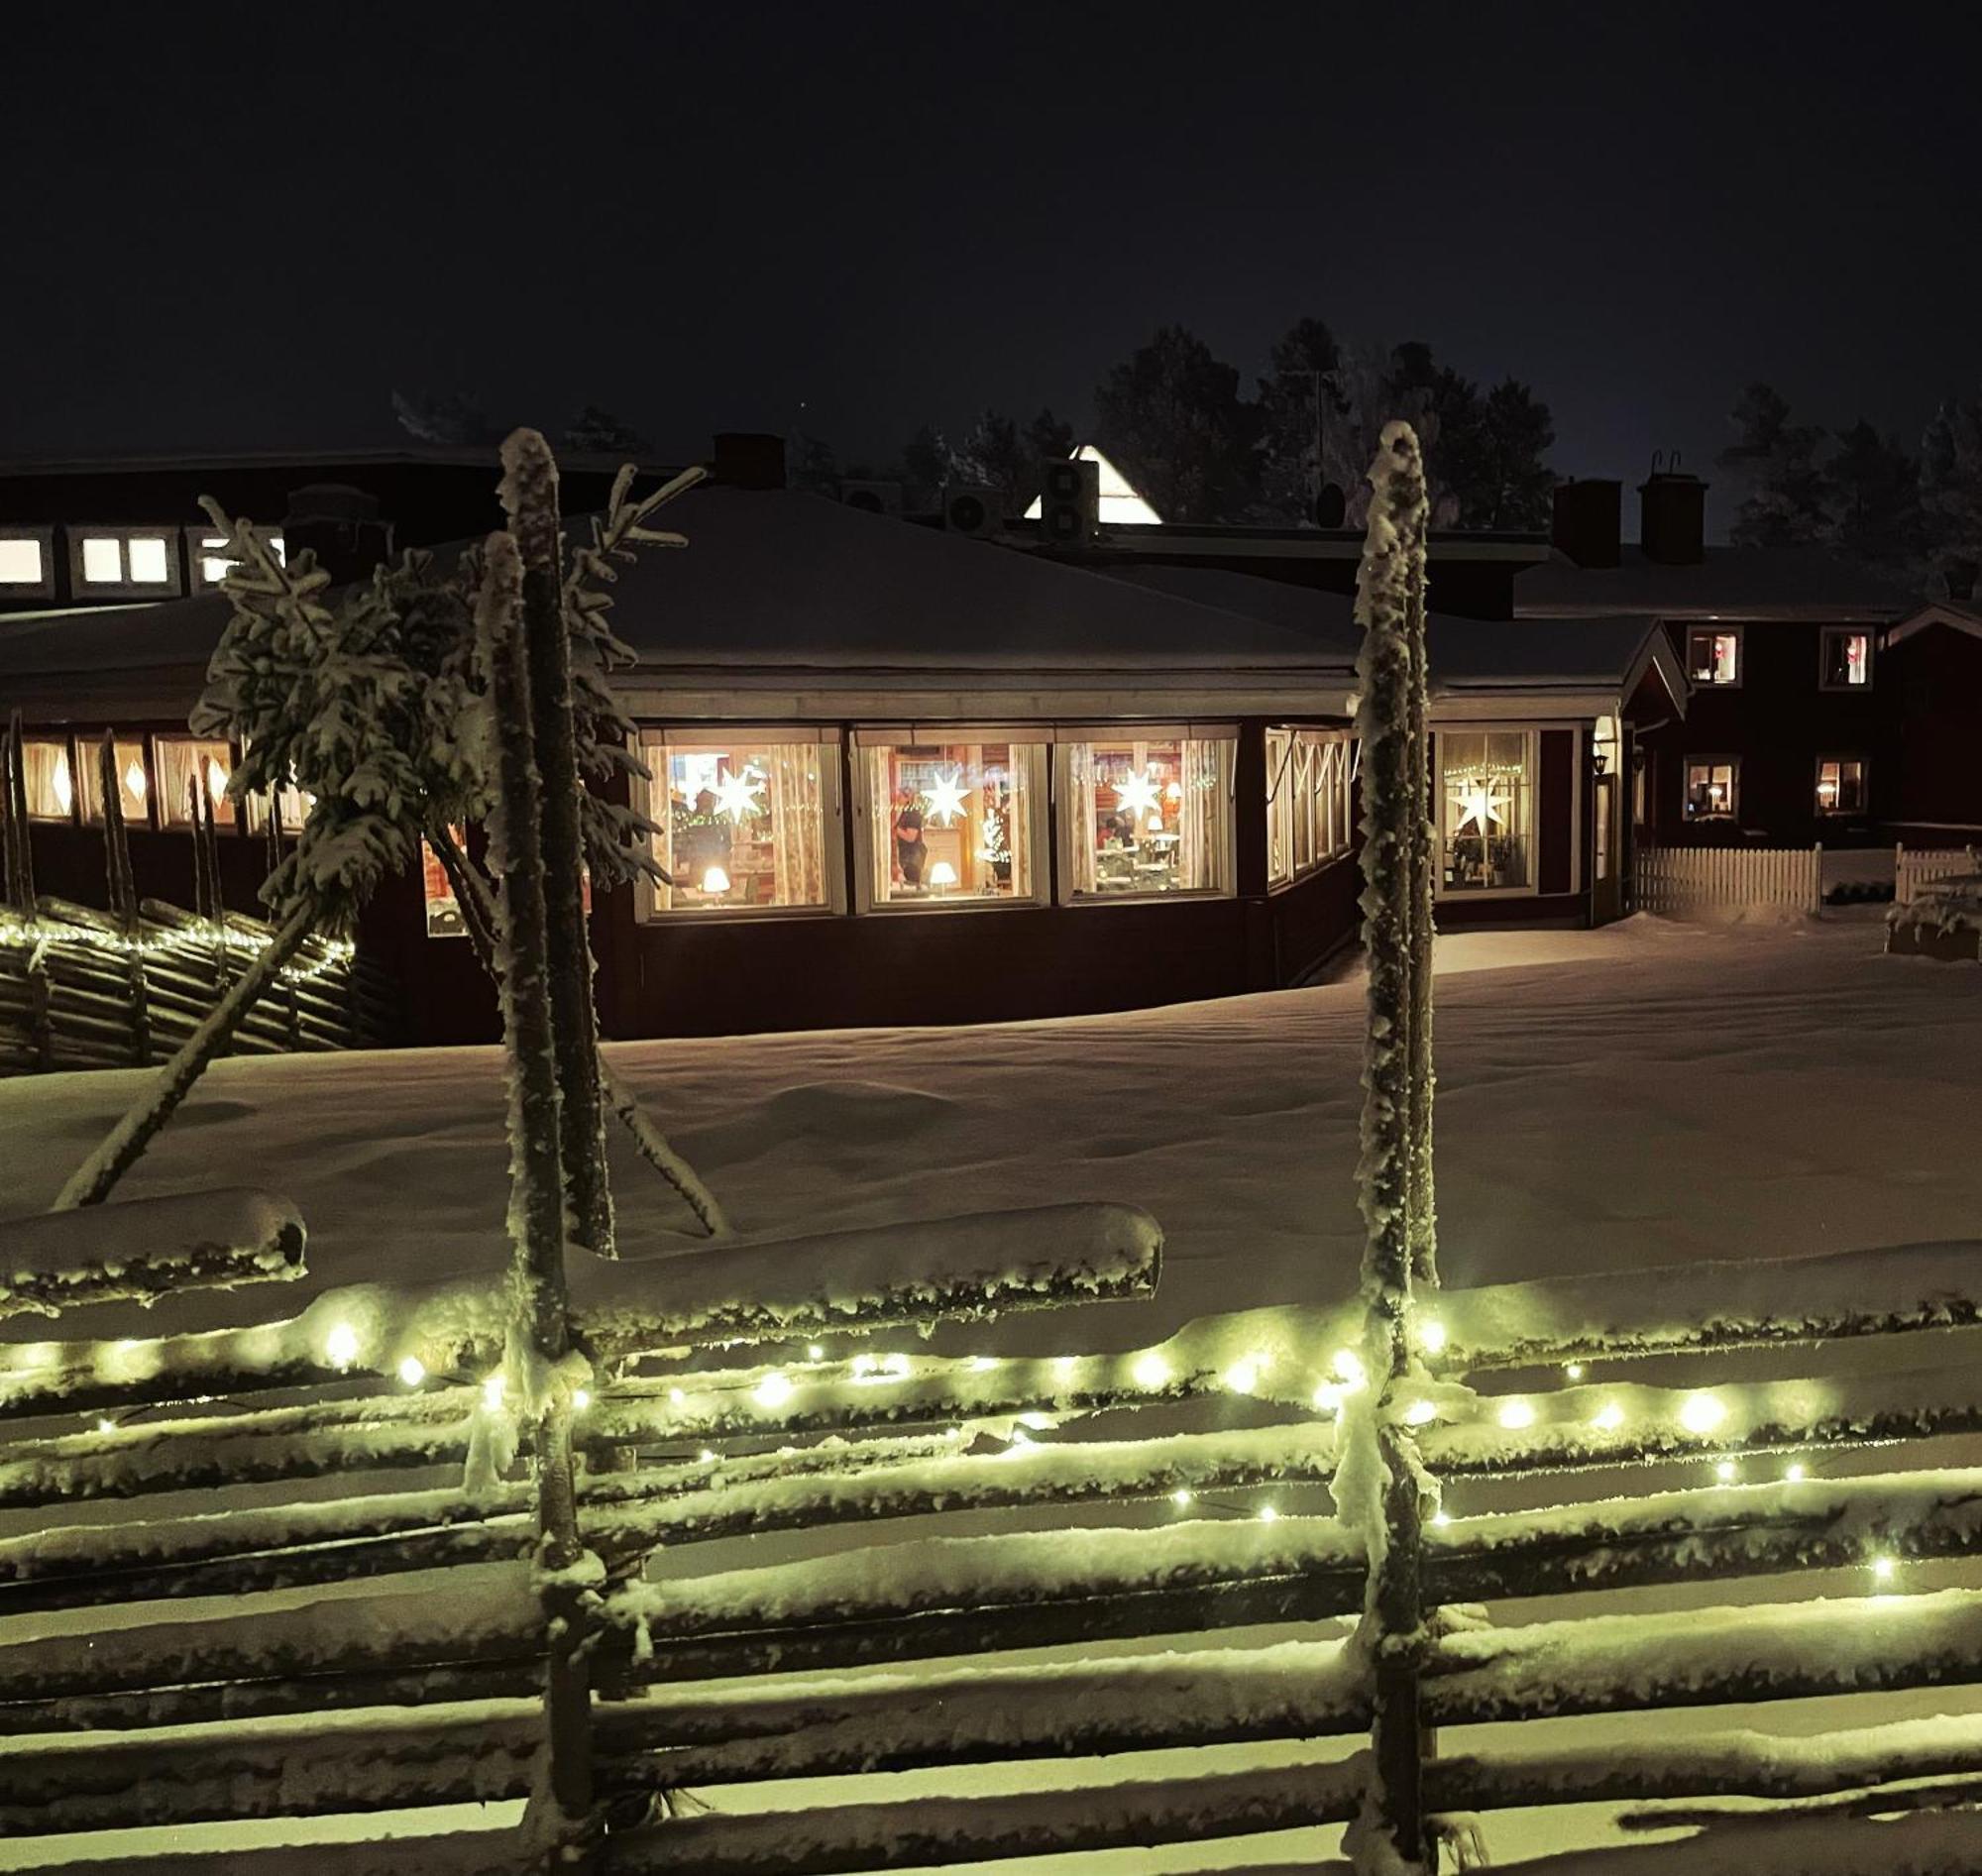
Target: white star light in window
{"points": [[945, 797], [736, 795], [1482, 809], [1136, 794]]}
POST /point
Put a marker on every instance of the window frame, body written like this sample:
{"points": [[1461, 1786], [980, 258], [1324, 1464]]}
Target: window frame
{"points": [[197, 553], [1070, 737], [1340, 751], [229, 818], [1036, 739], [171, 587], [1732, 812], [85, 764], [1823, 640], [44, 541], [1740, 637], [1532, 759], [1864, 806], [66, 742], [647, 907]]}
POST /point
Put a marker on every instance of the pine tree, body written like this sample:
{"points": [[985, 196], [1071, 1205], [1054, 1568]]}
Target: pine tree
{"points": [[1781, 463], [1297, 400], [1172, 418], [1872, 494], [1951, 491], [445, 419], [597, 432]]}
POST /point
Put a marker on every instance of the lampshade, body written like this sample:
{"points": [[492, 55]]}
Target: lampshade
{"points": [[943, 874], [715, 881]]}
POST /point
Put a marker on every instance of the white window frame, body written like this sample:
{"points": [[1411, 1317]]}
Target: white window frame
{"points": [[1532, 759], [1823, 640], [1835, 812], [832, 818], [1740, 639], [66, 743], [199, 552], [175, 817], [1067, 739], [1733, 764], [44, 541], [87, 747], [170, 587], [1334, 755], [1035, 740]]}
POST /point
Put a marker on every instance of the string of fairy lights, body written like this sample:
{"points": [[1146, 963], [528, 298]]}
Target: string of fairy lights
{"points": [[21, 935]]}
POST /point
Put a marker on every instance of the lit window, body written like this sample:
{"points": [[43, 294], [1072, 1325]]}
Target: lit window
{"points": [[952, 822], [1148, 815], [1847, 659], [112, 559], [1840, 784], [182, 764], [134, 786], [210, 559], [443, 908], [21, 563], [296, 804], [740, 823], [1308, 800], [51, 780], [1485, 810], [1713, 788], [1713, 656]]}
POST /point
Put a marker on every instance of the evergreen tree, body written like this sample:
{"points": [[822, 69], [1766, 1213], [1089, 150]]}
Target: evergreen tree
{"points": [[1952, 492], [1780, 464], [1296, 402], [809, 464], [1511, 487], [928, 461], [447, 418], [996, 456], [597, 432], [1872, 493], [1172, 418], [1049, 439]]}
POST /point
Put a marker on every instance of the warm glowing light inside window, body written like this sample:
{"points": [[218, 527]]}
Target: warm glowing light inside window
{"points": [[20, 562], [103, 560], [149, 565]]}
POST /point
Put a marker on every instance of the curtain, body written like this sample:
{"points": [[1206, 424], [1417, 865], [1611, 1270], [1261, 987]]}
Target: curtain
{"points": [[798, 822], [51, 781]]}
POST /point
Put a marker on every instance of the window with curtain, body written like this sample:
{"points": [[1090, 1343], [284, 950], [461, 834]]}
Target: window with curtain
{"points": [[741, 824], [1713, 788], [1840, 784], [181, 764], [46, 763], [1148, 815], [1309, 805], [1847, 659], [1714, 655], [1486, 825], [950, 822], [134, 784]]}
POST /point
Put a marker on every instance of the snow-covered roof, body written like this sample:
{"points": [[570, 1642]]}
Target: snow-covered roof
{"points": [[1734, 583], [1955, 615], [1120, 503], [1466, 654]]}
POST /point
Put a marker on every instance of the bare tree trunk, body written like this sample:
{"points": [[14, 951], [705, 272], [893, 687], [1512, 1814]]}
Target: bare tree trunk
{"points": [[92, 1181], [477, 916], [536, 1209], [530, 499]]}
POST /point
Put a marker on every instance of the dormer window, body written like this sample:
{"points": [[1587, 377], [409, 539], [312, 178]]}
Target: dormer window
{"points": [[207, 555], [25, 563], [126, 561]]}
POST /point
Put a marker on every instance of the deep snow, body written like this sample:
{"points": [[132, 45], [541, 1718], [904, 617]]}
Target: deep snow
{"points": [[1646, 1094]]}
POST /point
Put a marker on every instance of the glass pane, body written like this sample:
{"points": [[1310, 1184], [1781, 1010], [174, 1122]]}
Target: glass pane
{"points": [[742, 825], [179, 765], [1280, 807], [443, 908], [148, 560], [51, 781], [1151, 816], [1709, 789], [19, 563], [134, 787], [102, 560], [1847, 658], [949, 820], [1486, 791], [1713, 657]]}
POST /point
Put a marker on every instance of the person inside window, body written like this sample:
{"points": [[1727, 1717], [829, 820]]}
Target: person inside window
{"points": [[910, 851]]}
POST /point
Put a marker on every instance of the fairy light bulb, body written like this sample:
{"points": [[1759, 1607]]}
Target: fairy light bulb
{"points": [[581, 1399], [106, 1426], [1609, 1418], [706, 1457], [1517, 1413], [1267, 1513], [1150, 1371], [1725, 1471], [1181, 1496], [1702, 1413], [978, 1364], [491, 1391], [1431, 1335], [1420, 1414], [340, 1346], [1347, 1367], [412, 1370], [1574, 1370], [1441, 1518], [1243, 1377], [813, 1353], [1883, 1568], [772, 1391], [1793, 1472], [676, 1396]]}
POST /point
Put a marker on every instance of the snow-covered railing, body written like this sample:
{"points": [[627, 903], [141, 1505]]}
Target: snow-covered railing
{"points": [[1686, 881]]}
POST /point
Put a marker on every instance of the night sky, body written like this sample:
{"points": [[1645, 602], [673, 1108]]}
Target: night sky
{"points": [[242, 227]]}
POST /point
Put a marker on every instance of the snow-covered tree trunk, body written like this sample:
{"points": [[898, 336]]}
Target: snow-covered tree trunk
{"points": [[531, 501], [535, 1369], [1377, 1479], [478, 914], [92, 1181], [19, 849]]}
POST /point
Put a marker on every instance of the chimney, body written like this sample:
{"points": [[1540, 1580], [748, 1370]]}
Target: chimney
{"points": [[1672, 516], [341, 524], [1587, 522], [744, 460]]}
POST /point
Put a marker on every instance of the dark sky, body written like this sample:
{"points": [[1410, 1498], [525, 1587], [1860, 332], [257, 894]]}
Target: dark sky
{"points": [[244, 227]]}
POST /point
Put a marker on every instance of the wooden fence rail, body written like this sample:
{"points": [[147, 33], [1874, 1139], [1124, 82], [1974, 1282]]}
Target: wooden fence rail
{"points": [[1914, 867], [826, 1650], [1685, 881], [79, 990]]}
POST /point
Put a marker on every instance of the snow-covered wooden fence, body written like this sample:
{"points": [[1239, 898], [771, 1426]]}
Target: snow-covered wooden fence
{"points": [[1686, 881], [402, 1695], [1914, 867], [82, 990]]}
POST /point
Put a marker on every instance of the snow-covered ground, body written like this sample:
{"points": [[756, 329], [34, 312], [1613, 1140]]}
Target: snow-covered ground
{"points": [[1647, 1094]]}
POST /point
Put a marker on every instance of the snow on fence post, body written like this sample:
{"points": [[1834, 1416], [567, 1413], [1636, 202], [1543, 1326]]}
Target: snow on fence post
{"points": [[1377, 1480], [536, 1367], [529, 494]]}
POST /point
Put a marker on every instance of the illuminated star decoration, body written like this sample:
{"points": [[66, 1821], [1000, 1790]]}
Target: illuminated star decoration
{"points": [[1480, 810], [945, 796], [736, 795], [1137, 795]]}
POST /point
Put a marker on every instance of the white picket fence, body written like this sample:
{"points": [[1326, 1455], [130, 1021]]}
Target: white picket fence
{"points": [[1914, 869], [1684, 881]]}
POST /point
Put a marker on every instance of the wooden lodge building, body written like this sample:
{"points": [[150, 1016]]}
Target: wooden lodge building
{"points": [[905, 775]]}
